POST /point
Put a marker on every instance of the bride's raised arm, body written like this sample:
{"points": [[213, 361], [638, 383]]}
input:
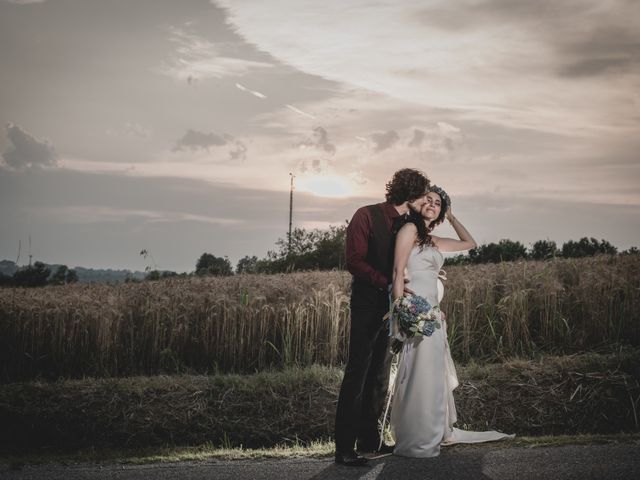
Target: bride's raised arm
{"points": [[465, 242], [405, 240]]}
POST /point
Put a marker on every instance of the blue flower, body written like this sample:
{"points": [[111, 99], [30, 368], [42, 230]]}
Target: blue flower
{"points": [[428, 328]]}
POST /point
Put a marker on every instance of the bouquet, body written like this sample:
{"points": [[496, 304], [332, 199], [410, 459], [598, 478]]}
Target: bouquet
{"points": [[412, 316]]}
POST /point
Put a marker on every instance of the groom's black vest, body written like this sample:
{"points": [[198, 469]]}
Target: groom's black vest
{"points": [[380, 246]]}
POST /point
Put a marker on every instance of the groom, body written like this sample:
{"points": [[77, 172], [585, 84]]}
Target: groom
{"points": [[370, 261]]}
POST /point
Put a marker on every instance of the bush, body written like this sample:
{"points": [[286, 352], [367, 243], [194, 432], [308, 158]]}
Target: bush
{"points": [[544, 250], [209, 264], [35, 275], [586, 247], [63, 275], [504, 251]]}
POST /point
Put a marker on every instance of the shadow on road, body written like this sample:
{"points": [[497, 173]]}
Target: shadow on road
{"points": [[393, 468]]}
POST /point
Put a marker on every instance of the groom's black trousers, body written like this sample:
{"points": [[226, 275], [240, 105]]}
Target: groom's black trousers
{"points": [[366, 377]]}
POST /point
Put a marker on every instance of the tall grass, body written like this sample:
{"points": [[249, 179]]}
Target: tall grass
{"points": [[559, 306], [252, 322]]}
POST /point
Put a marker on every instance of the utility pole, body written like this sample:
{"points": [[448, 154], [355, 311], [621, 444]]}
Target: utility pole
{"points": [[290, 211]]}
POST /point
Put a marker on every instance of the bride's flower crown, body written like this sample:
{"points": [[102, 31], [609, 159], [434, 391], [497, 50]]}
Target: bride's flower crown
{"points": [[446, 201]]}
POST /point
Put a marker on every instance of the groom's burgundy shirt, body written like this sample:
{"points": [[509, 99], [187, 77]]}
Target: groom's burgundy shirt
{"points": [[359, 233]]}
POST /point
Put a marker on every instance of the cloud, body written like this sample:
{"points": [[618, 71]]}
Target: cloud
{"points": [[601, 37], [239, 151], [131, 130], [417, 139], [196, 58], [507, 62], [442, 140], [300, 112], [383, 141], [252, 92], [320, 141], [194, 140], [88, 214], [137, 130], [27, 151], [313, 165], [24, 2], [608, 49], [478, 15]]}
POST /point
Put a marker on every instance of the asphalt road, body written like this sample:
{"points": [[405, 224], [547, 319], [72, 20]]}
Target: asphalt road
{"points": [[611, 461]]}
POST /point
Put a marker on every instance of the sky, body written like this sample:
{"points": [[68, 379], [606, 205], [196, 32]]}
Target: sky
{"points": [[173, 126]]}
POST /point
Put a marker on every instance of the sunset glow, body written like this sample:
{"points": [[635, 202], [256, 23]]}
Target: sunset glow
{"points": [[326, 186]]}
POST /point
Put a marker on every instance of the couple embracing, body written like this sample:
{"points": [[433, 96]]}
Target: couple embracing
{"points": [[391, 248]]}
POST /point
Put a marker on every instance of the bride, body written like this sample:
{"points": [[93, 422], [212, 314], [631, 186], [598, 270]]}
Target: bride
{"points": [[423, 411]]}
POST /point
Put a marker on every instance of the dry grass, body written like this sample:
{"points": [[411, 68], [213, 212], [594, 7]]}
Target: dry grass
{"points": [[251, 322], [577, 394], [561, 306]]}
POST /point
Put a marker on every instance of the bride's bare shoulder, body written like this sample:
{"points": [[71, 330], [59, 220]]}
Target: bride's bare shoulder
{"points": [[409, 227]]}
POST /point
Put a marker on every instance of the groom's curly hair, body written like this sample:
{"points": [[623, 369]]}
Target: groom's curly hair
{"points": [[406, 184]]}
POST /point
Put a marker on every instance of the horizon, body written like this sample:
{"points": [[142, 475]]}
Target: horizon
{"points": [[447, 255], [173, 126]]}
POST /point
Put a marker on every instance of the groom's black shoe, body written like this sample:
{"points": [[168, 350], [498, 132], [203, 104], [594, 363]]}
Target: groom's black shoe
{"points": [[350, 459], [383, 450]]}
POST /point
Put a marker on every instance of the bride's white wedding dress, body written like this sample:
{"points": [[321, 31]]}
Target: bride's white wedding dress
{"points": [[423, 411]]}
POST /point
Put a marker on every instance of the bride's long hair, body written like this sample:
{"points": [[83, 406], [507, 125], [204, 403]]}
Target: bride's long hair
{"points": [[424, 231]]}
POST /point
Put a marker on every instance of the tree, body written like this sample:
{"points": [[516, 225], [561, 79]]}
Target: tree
{"points": [[159, 274], [63, 275], [152, 275], [606, 248], [59, 277], [586, 247], [209, 264], [310, 250], [460, 259], [302, 241], [247, 264], [72, 276], [487, 253], [503, 251], [510, 250], [544, 249], [5, 280], [35, 275], [330, 250]]}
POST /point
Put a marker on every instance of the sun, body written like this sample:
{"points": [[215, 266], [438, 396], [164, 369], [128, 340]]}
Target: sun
{"points": [[325, 186]]}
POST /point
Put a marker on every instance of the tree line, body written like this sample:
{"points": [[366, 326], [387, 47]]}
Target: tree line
{"points": [[325, 250], [322, 250], [308, 250], [508, 250], [39, 275]]}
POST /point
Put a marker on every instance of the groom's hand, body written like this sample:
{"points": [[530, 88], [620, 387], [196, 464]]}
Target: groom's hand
{"points": [[407, 290]]}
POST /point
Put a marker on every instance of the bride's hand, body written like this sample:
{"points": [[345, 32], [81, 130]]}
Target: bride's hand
{"points": [[449, 214]]}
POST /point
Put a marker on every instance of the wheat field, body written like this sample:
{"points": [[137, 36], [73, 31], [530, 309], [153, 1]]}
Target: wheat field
{"points": [[249, 323]]}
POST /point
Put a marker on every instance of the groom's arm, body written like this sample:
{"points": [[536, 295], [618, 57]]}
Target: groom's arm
{"points": [[358, 234]]}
